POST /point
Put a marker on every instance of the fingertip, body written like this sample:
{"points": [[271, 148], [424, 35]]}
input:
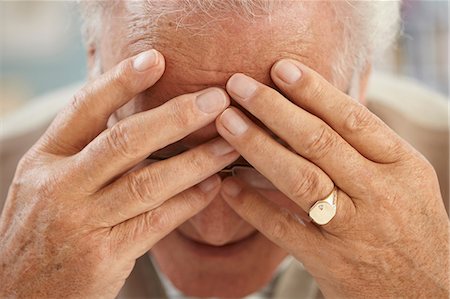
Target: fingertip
{"points": [[209, 184], [223, 91], [231, 188], [230, 80], [161, 60], [150, 60], [215, 89], [144, 61], [218, 122], [288, 71]]}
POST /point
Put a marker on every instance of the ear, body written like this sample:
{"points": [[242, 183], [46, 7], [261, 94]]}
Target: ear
{"points": [[364, 82]]}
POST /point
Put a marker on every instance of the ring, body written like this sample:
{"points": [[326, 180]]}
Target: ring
{"points": [[324, 210]]}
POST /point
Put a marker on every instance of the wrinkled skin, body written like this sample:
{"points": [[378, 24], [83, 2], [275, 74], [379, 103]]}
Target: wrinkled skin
{"points": [[78, 216], [389, 236], [230, 47]]}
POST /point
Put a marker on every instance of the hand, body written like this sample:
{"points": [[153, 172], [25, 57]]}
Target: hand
{"points": [[76, 218], [389, 237]]}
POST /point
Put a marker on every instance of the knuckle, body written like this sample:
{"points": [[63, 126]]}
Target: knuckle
{"points": [[179, 114], [358, 119], [156, 221], [424, 168], [276, 228], [319, 144], [397, 149], [137, 187], [27, 162], [119, 140], [305, 186], [154, 184], [79, 99], [314, 88], [197, 162], [193, 200], [146, 186], [80, 102]]}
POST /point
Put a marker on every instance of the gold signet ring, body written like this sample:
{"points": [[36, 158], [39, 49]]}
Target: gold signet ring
{"points": [[324, 210]]}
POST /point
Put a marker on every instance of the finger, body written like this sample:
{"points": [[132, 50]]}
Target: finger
{"points": [[305, 133], [90, 108], [275, 221], [354, 122], [299, 179], [282, 227], [134, 138], [148, 188], [136, 236]]}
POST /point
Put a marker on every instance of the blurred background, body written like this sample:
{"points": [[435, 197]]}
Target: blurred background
{"points": [[41, 48]]}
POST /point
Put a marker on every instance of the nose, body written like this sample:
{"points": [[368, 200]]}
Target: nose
{"points": [[218, 224]]}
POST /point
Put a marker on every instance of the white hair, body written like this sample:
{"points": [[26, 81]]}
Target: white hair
{"points": [[369, 27]]}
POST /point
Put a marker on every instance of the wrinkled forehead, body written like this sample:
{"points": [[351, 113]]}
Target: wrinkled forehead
{"points": [[204, 48]]}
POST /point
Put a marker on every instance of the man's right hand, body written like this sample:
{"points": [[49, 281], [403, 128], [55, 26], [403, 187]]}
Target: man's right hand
{"points": [[76, 218]]}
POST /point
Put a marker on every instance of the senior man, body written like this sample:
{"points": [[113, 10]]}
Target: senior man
{"points": [[147, 158]]}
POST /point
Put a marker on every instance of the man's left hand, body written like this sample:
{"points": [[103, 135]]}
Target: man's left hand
{"points": [[389, 237]]}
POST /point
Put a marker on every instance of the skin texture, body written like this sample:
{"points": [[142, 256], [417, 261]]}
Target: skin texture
{"points": [[235, 47], [70, 230], [389, 237], [79, 185]]}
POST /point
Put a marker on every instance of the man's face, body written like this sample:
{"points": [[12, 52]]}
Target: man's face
{"points": [[216, 253]]}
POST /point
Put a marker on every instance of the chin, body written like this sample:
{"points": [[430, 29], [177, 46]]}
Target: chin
{"points": [[232, 270]]}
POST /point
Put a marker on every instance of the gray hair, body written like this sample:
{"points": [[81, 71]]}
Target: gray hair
{"points": [[369, 27]]}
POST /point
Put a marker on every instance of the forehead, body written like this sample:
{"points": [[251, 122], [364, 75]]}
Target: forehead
{"points": [[204, 49]]}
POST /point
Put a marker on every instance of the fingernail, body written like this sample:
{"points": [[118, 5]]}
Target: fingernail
{"points": [[211, 101], [233, 122], [145, 60], [287, 71], [208, 184], [242, 86], [231, 188], [221, 148]]}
